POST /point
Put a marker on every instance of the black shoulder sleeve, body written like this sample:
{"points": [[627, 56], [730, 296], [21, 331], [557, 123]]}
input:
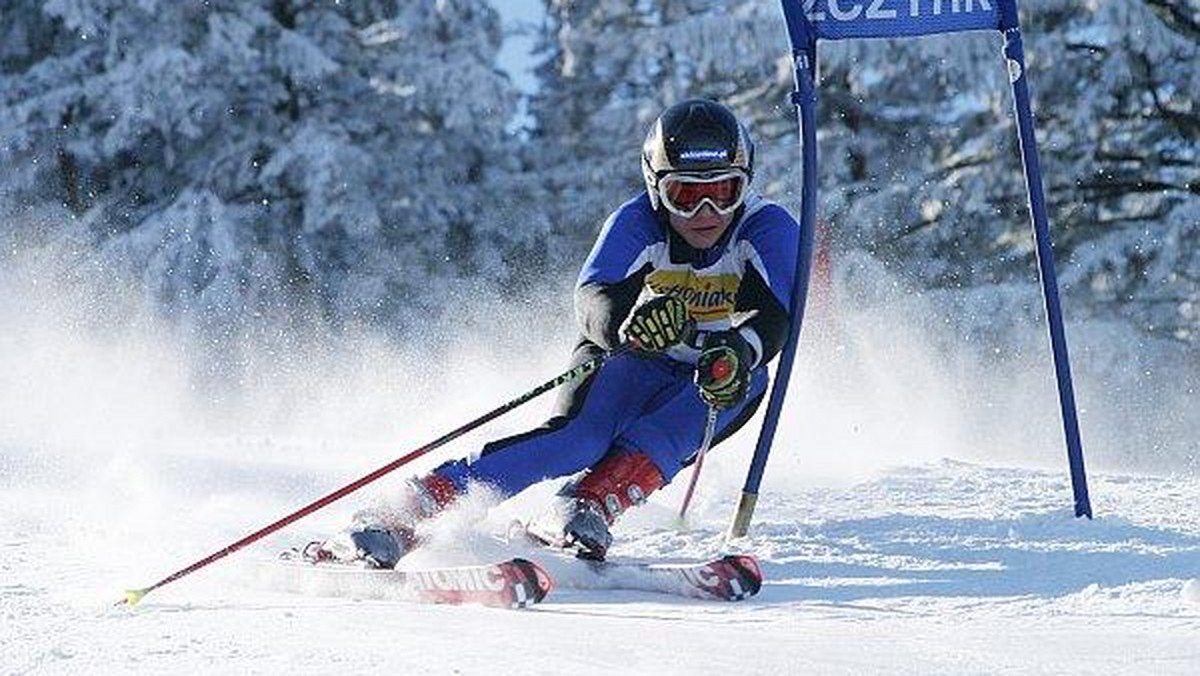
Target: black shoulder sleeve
{"points": [[771, 322], [601, 308]]}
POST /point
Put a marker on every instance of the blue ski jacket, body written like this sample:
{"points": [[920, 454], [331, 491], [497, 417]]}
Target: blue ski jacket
{"points": [[744, 280]]}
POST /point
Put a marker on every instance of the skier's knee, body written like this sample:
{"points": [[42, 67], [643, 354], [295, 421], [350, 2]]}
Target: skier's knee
{"points": [[620, 481]]}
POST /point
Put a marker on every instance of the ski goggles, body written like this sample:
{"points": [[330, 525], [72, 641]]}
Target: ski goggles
{"points": [[684, 194]]}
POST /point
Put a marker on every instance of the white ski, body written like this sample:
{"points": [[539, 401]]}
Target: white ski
{"points": [[515, 583], [729, 578]]}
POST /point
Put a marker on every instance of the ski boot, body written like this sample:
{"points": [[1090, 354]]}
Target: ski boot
{"points": [[380, 538], [586, 508]]}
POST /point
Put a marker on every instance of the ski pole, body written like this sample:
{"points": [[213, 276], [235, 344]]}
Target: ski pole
{"points": [[718, 370], [710, 426], [132, 596]]}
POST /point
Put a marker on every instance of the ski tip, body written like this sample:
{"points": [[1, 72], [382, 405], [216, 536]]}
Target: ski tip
{"points": [[541, 582], [746, 561], [132, 597], [748, 573]]}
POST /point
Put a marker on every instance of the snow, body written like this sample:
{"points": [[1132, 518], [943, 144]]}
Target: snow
{"points": [[897, 534], [948, 567], [1191, 591], [915, 513]]}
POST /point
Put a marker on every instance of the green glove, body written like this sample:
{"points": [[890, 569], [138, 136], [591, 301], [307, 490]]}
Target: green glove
{"points": [[723, 369], [658, 324]]}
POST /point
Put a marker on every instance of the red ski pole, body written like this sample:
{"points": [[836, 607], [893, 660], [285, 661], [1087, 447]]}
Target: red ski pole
{"points": [[132, 596], [710, 426], [719, 370]]}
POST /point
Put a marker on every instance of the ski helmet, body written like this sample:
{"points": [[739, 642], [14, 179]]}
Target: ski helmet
{"points": [[697, 135]]}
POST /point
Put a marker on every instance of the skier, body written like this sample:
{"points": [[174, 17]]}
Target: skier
{"points": [[694, 276]]}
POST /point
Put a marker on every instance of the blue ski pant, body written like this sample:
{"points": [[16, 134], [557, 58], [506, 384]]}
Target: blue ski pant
{"points": [[634, 404]]}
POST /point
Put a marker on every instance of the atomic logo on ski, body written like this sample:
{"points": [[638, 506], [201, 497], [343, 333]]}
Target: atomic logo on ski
{"points": [[730, 578], [516, 583]]}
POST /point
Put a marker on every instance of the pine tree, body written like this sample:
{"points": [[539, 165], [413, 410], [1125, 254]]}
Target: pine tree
{"points": [[320, 160]]}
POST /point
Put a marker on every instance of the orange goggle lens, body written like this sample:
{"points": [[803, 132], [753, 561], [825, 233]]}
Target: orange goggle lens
{"points": [[684, 194]]}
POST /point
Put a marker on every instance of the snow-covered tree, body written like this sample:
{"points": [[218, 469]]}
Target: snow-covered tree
{"points": [[319, 159], [1122, 118], [920, 165], [350, 161]]}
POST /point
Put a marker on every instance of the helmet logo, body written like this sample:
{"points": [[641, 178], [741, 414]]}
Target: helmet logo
{"points": [[705, 154]]}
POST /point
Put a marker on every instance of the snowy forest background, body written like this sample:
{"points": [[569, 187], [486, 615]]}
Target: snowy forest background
{"points": [[275, 168]]}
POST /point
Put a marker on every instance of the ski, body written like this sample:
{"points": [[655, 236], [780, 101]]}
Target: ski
{"points": [[733, 577], [515, 583], [729, 578]]}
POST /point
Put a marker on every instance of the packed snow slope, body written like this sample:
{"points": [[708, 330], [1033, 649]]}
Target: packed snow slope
{"points": [[945, 567], [915, 516]]}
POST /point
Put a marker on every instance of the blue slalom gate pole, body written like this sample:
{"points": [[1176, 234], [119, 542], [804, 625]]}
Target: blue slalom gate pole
{"points": [[811, 20], [804, 54], [1014, 52]]}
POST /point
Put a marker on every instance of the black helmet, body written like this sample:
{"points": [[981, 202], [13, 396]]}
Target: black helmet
{"points": [[696, 135]]}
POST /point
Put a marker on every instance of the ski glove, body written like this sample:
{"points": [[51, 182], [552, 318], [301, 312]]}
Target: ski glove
{"points": [[658, 324], [723, 369]]}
